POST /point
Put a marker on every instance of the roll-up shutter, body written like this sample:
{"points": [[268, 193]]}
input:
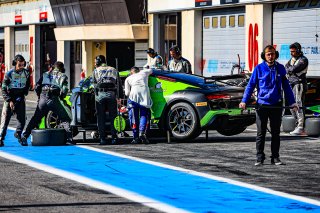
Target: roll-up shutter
{"points": [[21, 42], [298, 21], [223, 40]]}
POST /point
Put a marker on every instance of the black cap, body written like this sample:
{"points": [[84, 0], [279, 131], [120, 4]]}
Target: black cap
{"points": [[150, 50]]}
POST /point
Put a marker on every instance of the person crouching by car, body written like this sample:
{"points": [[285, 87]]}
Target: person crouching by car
{"points": [[15, 87], [108, 89], [51, 88], [139, 103]]}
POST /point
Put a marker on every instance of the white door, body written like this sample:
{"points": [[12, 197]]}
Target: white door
{"points": [[223, 40], [298, 21], [21, 41]]}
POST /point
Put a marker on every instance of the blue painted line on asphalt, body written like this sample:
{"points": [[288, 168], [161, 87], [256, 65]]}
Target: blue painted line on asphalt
{"points": [[176, 188]]}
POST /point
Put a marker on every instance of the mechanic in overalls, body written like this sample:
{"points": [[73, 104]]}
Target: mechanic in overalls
{"points": [[139, 103], [297, 68], [178, 63], [156, 60], [51, 89], [108, 89], [15, 87]]}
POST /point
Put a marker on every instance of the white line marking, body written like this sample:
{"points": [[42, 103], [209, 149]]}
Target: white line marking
{"points": [[96, 184], [212, 177]]}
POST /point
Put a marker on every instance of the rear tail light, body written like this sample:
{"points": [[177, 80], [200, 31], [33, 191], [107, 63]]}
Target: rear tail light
{"points": [[218, 96]]}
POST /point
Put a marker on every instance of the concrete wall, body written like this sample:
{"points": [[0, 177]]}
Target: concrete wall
{"points": [[167, 5], [29, 10], [260, 15], [191, 41], [105, 32], [8, 46]]}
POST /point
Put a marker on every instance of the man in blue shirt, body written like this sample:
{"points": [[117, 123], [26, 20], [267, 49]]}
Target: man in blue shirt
{"points": [[269, 78]]}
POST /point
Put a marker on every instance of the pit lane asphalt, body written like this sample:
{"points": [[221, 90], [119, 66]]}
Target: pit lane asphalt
{"points": [[231, 157]]}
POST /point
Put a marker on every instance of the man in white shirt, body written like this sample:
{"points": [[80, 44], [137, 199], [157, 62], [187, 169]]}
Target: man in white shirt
{"points": [[139, 103], [155, 61]]}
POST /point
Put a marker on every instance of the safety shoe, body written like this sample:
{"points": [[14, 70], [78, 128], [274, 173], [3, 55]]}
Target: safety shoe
{"points": [[1, 142], [103, 142], [23, 141], [17, 136], [135, 141], [114, 141], [276, 161], [259, 163], [144, 139], [298, 131], [71, 141]]}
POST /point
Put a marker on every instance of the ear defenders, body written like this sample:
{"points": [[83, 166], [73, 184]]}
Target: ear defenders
{"points": [[100, 59], [296, 46], [175, 49], [264, 52], [18, 58]]}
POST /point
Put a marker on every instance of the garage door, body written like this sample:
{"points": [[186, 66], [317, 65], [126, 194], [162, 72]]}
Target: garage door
{"points": [[21, 41], [1, 34], [223, 40], [298, 21]]}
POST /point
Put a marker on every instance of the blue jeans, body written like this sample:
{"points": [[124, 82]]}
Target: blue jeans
{"points": [[139, 118]]}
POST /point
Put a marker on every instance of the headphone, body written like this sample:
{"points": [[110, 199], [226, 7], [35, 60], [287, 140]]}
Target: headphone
{"points": [[18, 58], [264, 52], [151, 51], [100, 59], [296, 46], [175, 49], [60, 66]]}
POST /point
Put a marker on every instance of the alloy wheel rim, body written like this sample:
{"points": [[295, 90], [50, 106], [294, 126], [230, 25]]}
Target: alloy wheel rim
{"points": [[181, 121]]}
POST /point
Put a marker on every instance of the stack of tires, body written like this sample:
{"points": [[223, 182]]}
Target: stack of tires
{"points": [[312, 125]]}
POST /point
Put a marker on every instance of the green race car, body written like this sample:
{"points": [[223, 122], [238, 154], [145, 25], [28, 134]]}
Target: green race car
{"points": [[184, 104]]}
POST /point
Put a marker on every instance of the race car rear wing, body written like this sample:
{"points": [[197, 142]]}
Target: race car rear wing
{"points": [[222, 78]]}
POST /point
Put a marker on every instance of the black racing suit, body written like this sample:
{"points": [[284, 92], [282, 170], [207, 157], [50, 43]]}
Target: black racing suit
{"points": [[51, 88], [15, 87], [108, 88]]}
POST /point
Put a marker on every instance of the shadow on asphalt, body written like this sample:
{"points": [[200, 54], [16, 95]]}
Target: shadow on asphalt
{"points": [[216, 139]]}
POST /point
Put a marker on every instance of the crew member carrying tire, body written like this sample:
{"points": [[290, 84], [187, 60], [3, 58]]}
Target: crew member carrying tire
{"points": [[15, 87], [51, 88], [108, 88]]}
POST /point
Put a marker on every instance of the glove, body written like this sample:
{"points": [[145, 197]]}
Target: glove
{"points": [[295, 107]]}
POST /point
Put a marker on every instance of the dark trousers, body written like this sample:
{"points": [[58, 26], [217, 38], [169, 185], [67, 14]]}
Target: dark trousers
{"points": [[274, 115], [46, 104], [106, 104], [19, 110], [139, 118]]}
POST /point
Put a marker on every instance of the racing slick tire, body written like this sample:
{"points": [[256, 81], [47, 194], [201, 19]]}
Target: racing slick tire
{"points": [[183, 122], [231, 131], [288, 123], [312, 127], [48, 137], [52, 121]]}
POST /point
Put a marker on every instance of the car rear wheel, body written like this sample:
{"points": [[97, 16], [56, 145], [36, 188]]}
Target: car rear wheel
{"points": [[183, 122], [53, 121]]}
